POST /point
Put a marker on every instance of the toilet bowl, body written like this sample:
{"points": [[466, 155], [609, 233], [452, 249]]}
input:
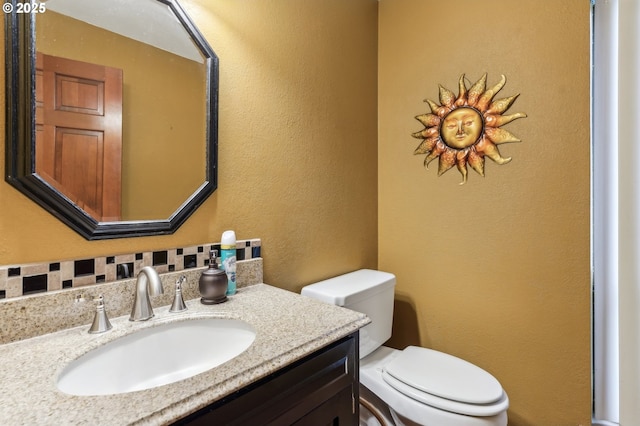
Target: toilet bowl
{"points": [[416, 386], [466, 405]]}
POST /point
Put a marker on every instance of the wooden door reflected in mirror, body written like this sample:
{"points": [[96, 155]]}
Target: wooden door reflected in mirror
{"points": [[79, 133]]}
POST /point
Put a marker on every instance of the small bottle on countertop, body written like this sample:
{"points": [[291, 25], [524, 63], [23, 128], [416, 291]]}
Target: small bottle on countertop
{"points": [[228, 259]]}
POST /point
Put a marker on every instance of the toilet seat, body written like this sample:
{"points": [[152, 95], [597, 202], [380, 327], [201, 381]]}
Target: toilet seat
{"points": [[406, 407], [445, 382]]}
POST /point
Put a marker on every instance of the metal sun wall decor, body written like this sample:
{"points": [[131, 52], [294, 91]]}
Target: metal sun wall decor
{"points": [[466, 128]]}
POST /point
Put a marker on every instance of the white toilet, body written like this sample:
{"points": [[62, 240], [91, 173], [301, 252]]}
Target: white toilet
{"points": [[418, 386]]}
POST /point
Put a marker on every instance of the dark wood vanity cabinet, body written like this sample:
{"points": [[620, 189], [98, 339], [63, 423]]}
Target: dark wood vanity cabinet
{"points": [[320, 389]]}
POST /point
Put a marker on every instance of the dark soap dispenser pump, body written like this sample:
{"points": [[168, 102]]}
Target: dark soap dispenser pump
{"points": [[213, 282]]}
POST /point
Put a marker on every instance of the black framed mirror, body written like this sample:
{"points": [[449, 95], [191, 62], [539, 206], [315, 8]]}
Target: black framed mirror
{"points": [[163, 101]]}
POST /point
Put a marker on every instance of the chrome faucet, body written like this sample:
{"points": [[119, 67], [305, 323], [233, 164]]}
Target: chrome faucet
{"points": [[148, 283]]}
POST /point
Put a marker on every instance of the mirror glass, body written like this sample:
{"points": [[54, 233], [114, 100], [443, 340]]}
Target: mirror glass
{"points": [[120, 105]]}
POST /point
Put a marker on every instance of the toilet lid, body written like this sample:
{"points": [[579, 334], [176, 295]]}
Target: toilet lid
{"points": [[476, 410], [430, 376]]}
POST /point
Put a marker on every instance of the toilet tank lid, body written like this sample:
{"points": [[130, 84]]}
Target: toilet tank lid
{"points": [[350, 288]]}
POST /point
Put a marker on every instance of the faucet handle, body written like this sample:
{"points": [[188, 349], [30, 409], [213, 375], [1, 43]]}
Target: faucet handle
{"points": [[178, 302], [100, 320]]}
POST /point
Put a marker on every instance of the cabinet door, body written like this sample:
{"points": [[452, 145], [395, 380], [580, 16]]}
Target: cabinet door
{"points": [[335, 411], [321, 389]]}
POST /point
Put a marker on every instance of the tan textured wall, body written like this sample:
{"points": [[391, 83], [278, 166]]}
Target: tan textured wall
{"points": [[495, 271], [297, 145]]}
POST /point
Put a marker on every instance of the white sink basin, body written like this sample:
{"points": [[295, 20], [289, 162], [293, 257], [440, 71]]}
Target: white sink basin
{"points": [[156, 356]]}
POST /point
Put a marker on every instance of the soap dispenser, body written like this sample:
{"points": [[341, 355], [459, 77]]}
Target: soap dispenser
{"points": [[213, 282]]}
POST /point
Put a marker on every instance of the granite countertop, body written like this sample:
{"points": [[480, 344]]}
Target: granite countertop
{"points": [[288, 327]]}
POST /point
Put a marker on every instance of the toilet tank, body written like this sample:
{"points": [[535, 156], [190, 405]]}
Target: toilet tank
{"points": [[367, 291]]}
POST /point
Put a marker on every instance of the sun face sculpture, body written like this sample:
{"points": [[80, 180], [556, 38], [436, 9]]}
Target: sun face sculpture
{"points": [[465, 129]]}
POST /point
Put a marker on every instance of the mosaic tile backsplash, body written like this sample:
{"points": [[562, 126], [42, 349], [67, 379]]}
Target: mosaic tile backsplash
{"points": [[21, 280]]}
